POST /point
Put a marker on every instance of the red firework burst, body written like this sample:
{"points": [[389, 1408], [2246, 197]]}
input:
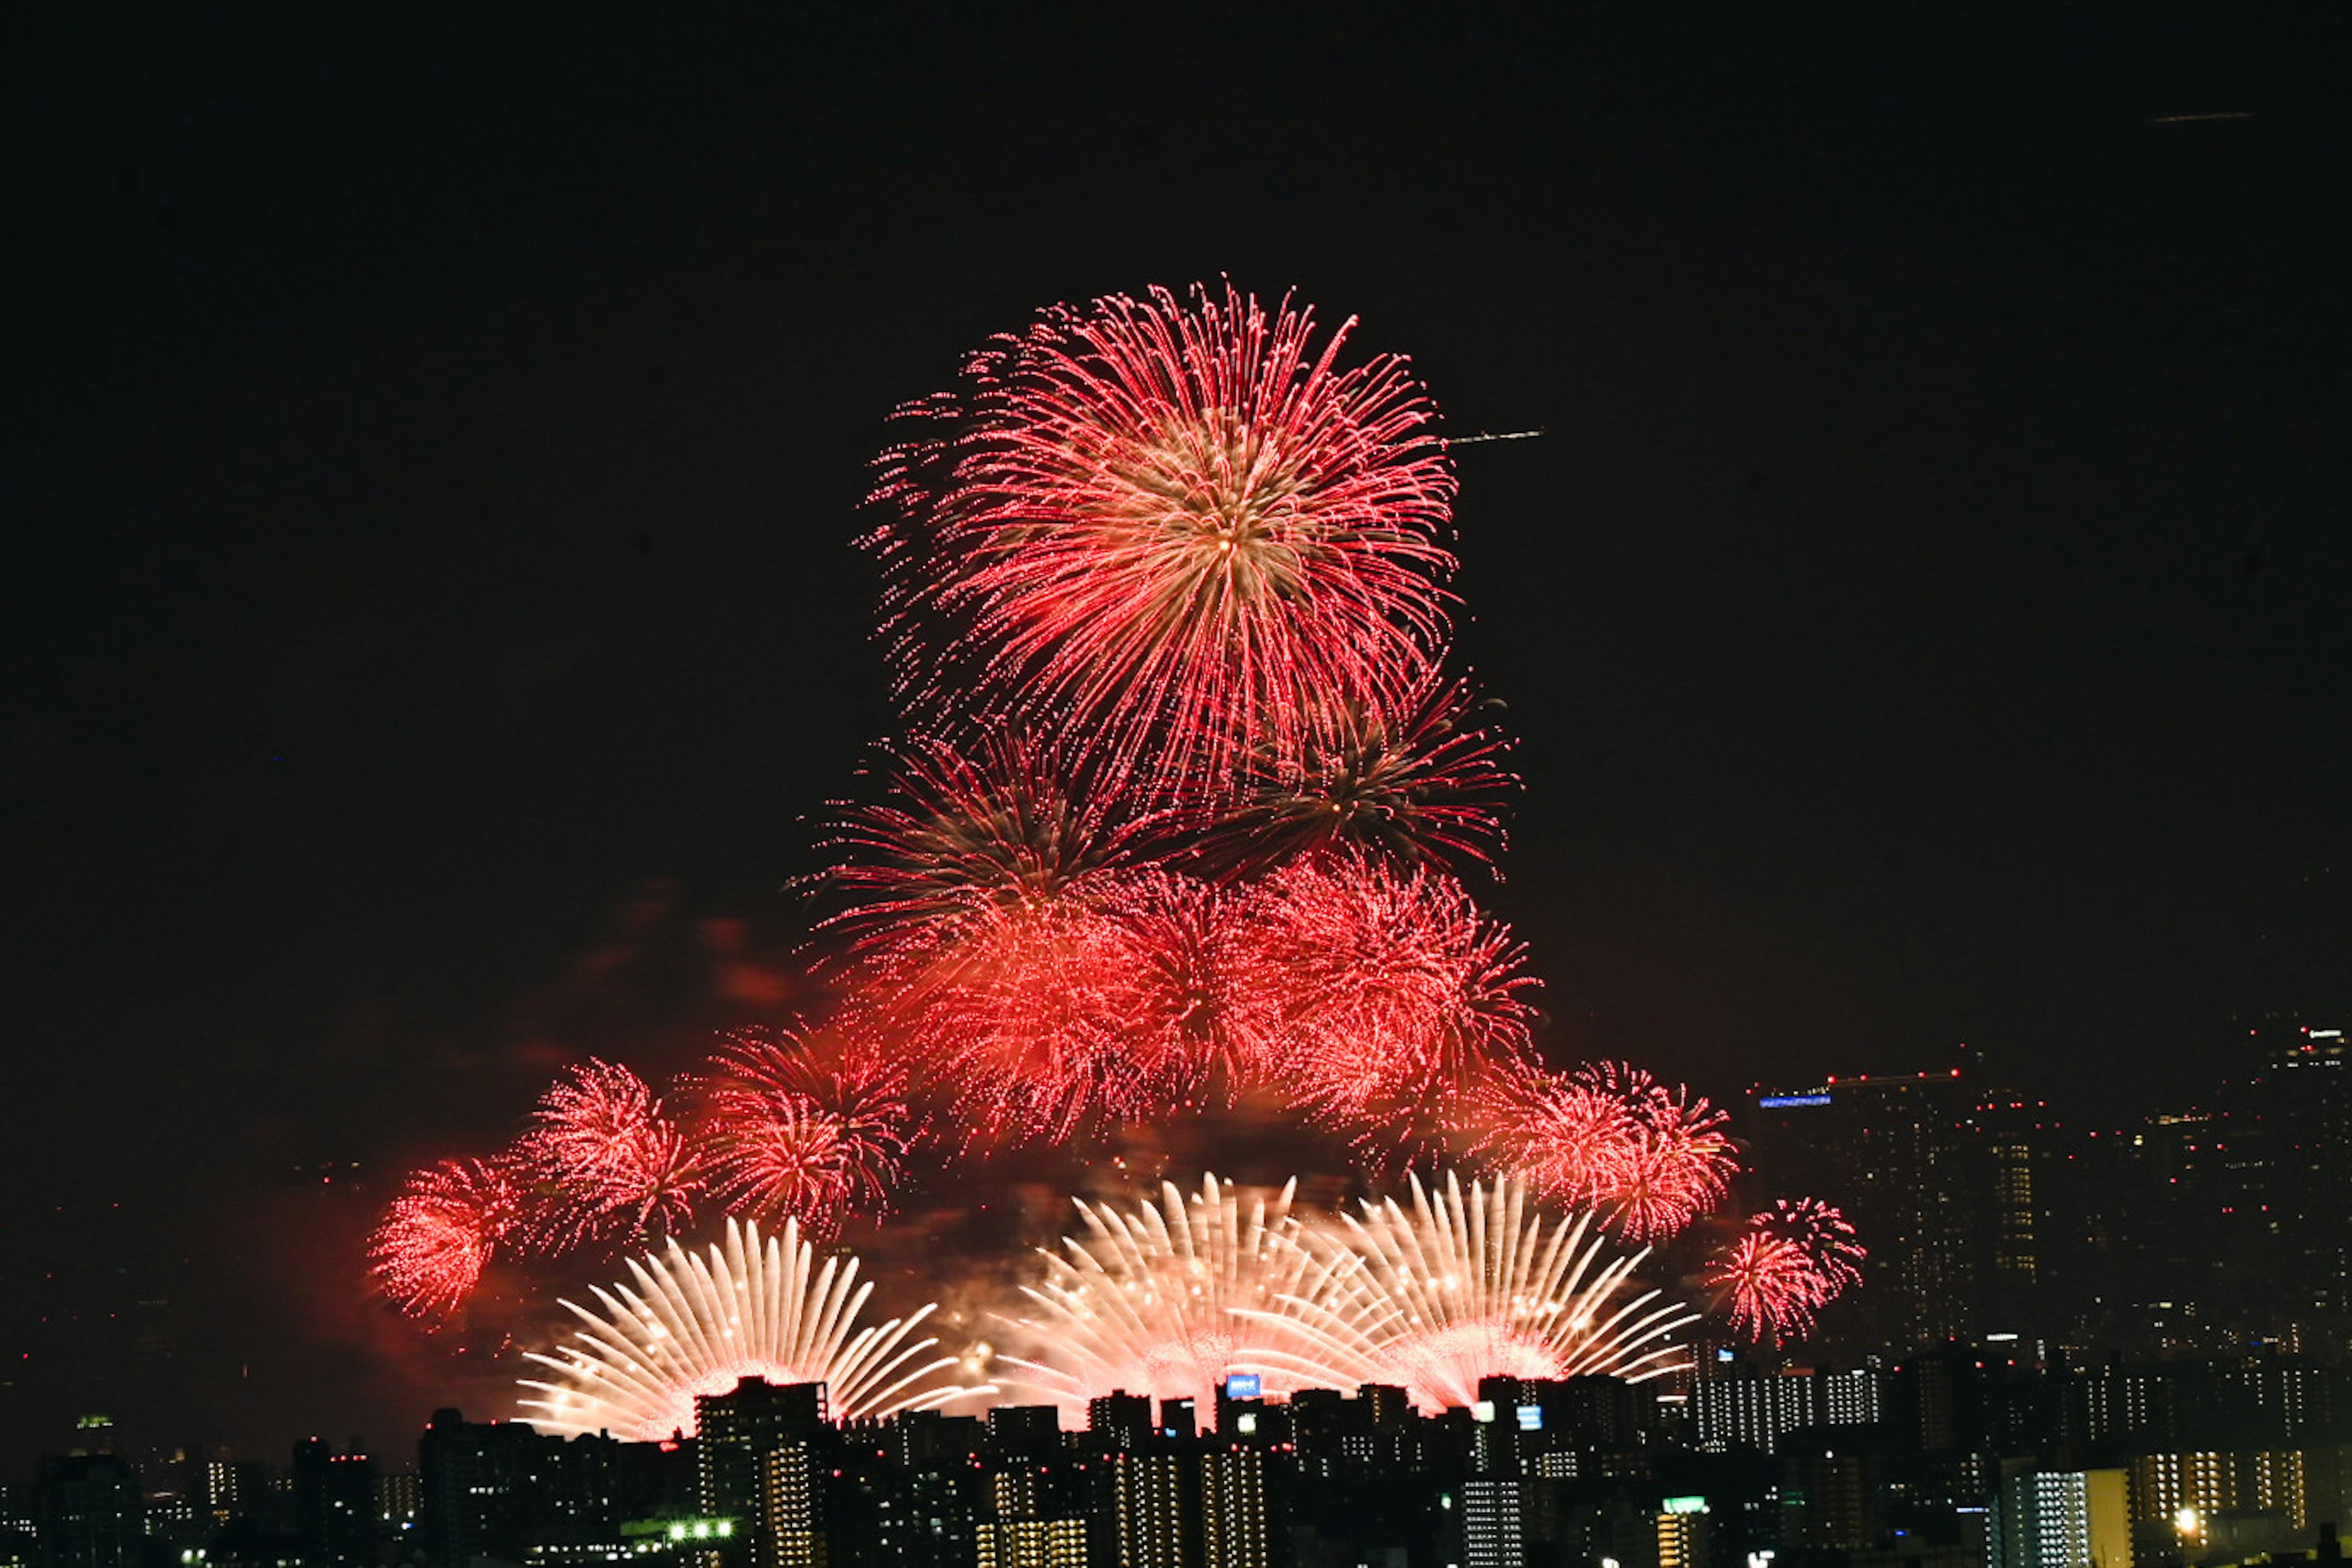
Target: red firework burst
{"points": [[1026, 1017], [428, 1251], [963, 834], [1793, 1259], [1374, 996], [1425, 784], [1650, 1157], [605, 1160], [1168, 985], [809, 1127], [1171, 527]]}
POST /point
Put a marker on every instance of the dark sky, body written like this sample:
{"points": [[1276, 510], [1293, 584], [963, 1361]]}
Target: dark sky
{"points": [[432, 442]]}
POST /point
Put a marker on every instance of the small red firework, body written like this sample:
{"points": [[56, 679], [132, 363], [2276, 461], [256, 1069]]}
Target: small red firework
{"points": [[428, 1251], [1374, 996], [812, 1128], [1174, 528], [604, 1161], [1793, 1259], [1424, 784], [1650, 1157], [963, 833]]}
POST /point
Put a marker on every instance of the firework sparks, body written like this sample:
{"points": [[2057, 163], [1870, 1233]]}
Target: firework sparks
{"points": [[604, 1159], [1793, 1259], [1425, 785], [1169, 527], [1466, 1286], [1375, 994], [1650, 1157], [963, 834], [698, 1323], [1148, 1302], [809, 1128], [428, 1251]]}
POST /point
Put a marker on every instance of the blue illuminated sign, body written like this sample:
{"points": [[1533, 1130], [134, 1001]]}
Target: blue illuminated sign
{"points": [[1241, 1386], [1775, 1101], [1530, 1418]]}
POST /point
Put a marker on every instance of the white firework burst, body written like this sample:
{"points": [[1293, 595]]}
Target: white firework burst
{"points": [[1462, 1288], [695, 1324], [1152, 1301]]}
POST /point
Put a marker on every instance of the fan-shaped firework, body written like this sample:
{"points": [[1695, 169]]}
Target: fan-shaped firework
{"points": [[698, 1323], [1467, 1286], [606, 1160], [1373, 994], [428, 1251], [1793, 1259], [1650, 1157], [809, 1128], [1423, 781], [1149, 1301], [1168, 527]]}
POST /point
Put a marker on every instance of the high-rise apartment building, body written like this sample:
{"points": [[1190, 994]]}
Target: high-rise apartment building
{"points": [[1148, 1509], [733, 1429], [2061, 1518], [1897, 1150], [334, 1506], [1235, 1528], [88, 1511], [1493, 1525], [790, 1532]]}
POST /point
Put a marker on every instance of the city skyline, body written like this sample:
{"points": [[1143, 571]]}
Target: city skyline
{"points": [[1920, 612]]}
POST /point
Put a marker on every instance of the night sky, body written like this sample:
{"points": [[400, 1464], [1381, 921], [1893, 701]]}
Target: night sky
{"points": [[434, 443]]}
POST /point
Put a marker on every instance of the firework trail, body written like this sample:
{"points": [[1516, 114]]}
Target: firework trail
{"points": [[1793, 1259], [1169, 527], [1148, 1302], [604, 1161], [428, 1251], [1372, 995], [1650, 1157], [809, 1128], [1466, 1286], [698, 1323], [1423, 783]]}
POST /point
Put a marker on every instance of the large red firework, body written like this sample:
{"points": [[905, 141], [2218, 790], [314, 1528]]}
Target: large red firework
{"points": [[606, 1160], [809, 1127], [1423, 781], [428, 1251], [1793, 1259], [1650, 1157], [1373, 996], [1171, 528]]}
